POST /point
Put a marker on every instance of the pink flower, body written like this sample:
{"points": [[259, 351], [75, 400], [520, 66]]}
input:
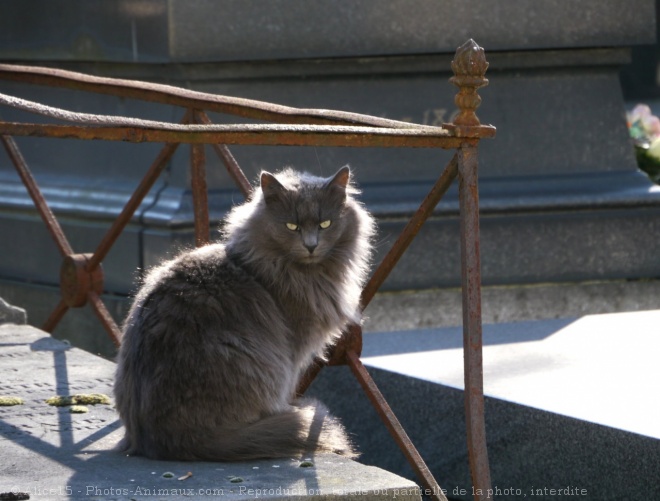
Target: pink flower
{"points": [[643, 124]]}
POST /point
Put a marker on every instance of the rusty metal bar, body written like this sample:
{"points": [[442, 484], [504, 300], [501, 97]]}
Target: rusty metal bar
{"points": [[471, 128], [76, 116], [272, 134], [350, 341], [106, 319], [410, 231], [309, 376], [228, 159], [118, 226], [394, 427], [56, 315], [131, 206], [134, 202], [469, 67], [40, 203], [233, 168], [472, 328], [186, 98], [199, 192]]}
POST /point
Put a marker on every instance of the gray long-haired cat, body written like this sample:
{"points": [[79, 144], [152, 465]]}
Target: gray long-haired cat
{"points": [[217, 339]]}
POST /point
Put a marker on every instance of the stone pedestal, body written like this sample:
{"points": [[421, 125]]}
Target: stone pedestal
{"points": [[561, 197]]}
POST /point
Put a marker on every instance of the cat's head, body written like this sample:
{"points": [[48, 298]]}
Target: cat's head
{"points": [[306, 217]]}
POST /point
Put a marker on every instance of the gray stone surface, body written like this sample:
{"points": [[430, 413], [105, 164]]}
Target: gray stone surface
{"points": [[11, 314], [389, 311], [569, 403], [204, 30], [528, 248], [50, 453], [419, 309], [80, 326]]}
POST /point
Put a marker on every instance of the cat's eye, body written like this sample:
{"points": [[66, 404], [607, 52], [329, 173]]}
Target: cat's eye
{"points": [[325, 224], [292, 226]]}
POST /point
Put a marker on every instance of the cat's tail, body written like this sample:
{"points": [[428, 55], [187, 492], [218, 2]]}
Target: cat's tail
{"points": [[306, 428]]}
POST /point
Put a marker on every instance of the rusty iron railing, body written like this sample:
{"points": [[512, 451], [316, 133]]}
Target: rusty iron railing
{"points": [[81, 278]]}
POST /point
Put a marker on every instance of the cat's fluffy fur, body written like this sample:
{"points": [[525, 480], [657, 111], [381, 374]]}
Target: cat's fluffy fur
{"points": [[217, 339]]}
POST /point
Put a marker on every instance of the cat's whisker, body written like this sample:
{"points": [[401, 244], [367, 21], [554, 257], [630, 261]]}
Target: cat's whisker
{"points": [[385, 240]]}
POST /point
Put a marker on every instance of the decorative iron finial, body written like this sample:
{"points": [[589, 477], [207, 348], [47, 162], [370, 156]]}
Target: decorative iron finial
{"points": [[469, 67]]}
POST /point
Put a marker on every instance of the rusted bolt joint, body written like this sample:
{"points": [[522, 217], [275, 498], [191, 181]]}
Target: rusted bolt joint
{"points": [[76, 281], [351, 340]]}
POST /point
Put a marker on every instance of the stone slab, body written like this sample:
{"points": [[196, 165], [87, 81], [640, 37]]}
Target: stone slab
{"points": [[50, 453], [570, 404], [598, 368]]}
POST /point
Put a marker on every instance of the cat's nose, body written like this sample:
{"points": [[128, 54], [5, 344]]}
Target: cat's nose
{"points": [[310, 247], [310, 241]]}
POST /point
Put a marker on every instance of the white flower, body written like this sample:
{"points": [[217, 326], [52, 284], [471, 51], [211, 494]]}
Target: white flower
{"points": [[654, 149]]}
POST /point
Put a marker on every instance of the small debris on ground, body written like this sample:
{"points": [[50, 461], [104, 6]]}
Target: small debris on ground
{"points": [[7, 401], [78, 409], [306, 464], [187, 475], [78, 399]]}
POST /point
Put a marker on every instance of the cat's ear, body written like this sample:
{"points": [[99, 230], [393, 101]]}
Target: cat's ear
{"points": [[341, 178], [270, 186]]}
